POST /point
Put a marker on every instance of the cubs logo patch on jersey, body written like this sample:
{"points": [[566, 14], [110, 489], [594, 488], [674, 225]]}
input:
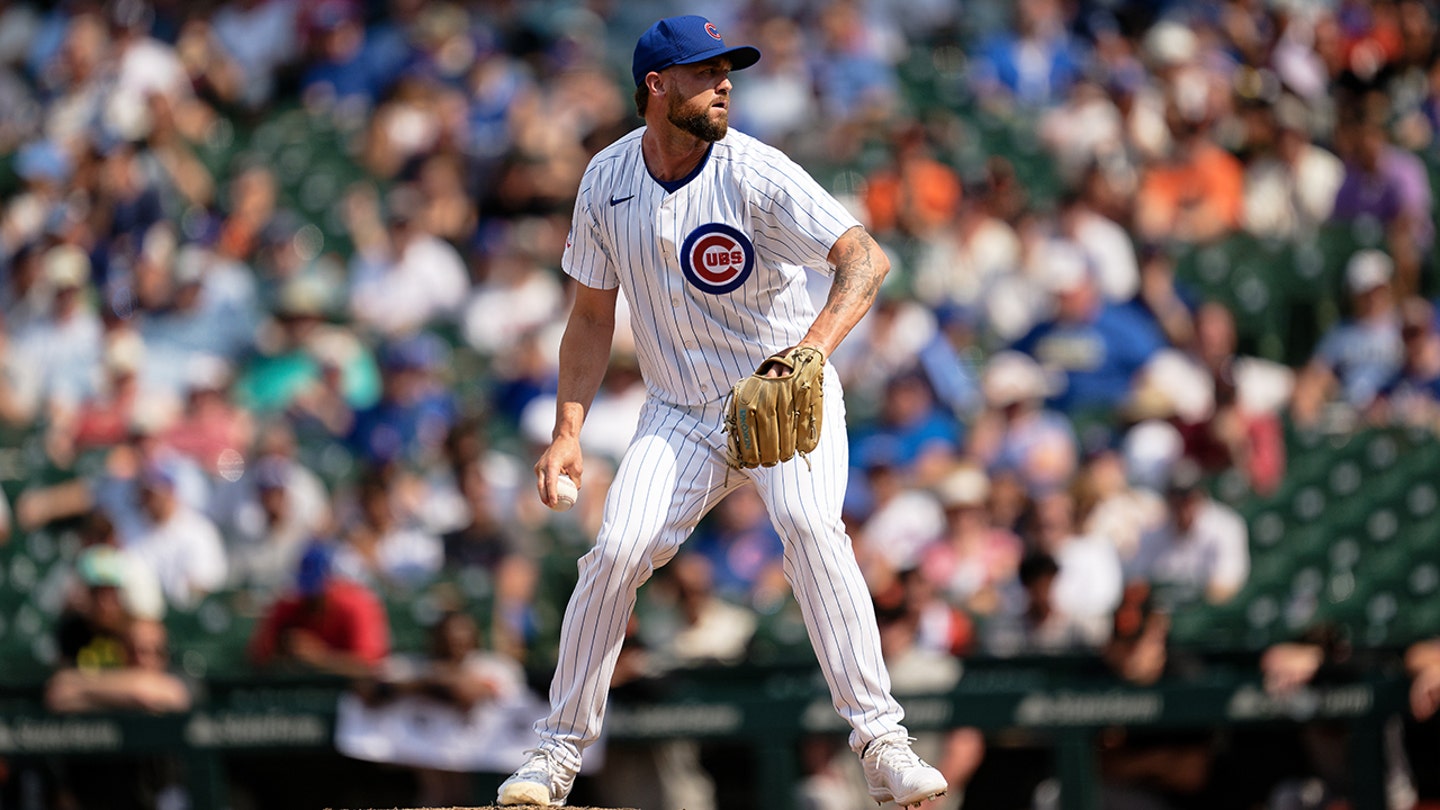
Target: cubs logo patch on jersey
{"points": [[717, 258]]}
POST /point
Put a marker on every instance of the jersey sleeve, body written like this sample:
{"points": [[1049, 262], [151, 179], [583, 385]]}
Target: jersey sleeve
{"points": [[586, 258], [795, 220]]}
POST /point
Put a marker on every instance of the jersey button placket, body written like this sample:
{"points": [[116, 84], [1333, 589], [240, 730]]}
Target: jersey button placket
{"points": [[665, 227]]}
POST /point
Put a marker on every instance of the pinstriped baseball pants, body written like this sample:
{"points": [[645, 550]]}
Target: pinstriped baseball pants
{"points": [[673, 472]]}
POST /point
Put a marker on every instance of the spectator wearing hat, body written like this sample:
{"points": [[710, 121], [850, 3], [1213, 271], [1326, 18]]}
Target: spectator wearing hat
{"points": [[103, 419], [55, 357], [327, 623], [1200, 553], [317, 370], [1358, 355], [1015, 432], [111, 588], [1412, 395], [115, 488], [179, 543], [1097, 345], [273, 528], [402, 277], [113, 656], [45, 169], [415, 411], [972, 559]]}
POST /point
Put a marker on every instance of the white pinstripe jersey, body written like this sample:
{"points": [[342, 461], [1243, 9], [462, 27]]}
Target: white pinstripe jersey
{"points": [[712, 267]]}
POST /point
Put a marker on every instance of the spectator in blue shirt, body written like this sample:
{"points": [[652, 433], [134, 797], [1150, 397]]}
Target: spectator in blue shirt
{"points": [[918, 434], [1356, 357], [1036, 63], [1412, 395], [415, 411], [343, 68], [1097, 345]]}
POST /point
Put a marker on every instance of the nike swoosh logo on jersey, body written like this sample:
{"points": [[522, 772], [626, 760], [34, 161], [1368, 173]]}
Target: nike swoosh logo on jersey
{"points": [[614, 201]]}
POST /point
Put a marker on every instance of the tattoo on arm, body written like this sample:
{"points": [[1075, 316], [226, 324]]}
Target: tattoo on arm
{"points": [[857, 275], [860, 267]]}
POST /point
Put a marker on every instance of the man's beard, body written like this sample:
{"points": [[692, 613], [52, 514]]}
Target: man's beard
{"points": [[698, 122]]}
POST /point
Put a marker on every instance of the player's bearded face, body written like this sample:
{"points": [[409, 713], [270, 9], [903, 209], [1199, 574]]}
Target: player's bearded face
{"points": [[696, 116]]}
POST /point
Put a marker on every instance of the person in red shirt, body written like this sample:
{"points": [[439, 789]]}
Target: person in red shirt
{"points": [[329, 624]]}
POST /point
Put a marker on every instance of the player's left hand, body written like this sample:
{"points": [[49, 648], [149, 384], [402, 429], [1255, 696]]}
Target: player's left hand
{"points": [[776, 411]]}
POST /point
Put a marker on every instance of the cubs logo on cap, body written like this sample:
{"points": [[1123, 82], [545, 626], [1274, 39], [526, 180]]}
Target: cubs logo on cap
{"points": [[717, 258], [685, 40]]}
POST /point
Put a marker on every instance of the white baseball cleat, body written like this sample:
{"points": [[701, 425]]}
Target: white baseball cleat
{"points": [[542, 781], [894, 773]]}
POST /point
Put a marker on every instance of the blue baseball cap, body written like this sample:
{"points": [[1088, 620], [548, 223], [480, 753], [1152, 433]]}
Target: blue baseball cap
{"points": [[315, 568], [685, 41]]}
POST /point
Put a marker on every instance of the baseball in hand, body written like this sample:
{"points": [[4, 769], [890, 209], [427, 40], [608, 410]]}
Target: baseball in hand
{"points": [[565, 493]]}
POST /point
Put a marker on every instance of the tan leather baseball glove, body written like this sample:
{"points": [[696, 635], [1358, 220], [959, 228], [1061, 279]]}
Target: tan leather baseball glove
{"points": [[769, 419]]}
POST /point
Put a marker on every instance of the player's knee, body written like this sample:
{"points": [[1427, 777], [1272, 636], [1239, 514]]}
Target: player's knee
{"points": [[606, 560]]}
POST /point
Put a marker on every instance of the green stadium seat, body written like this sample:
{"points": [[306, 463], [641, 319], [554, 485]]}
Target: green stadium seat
{"points": [[1422, 619], [1308, 505], [1344, 553], [1263, 619], [1382, 450], [1345, 478]]}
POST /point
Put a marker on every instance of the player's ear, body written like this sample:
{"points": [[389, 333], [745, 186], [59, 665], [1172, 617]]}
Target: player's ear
{"points": [[655, 82]]}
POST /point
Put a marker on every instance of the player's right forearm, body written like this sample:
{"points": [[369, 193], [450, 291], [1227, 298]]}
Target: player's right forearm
{"points": [[584, 355]]}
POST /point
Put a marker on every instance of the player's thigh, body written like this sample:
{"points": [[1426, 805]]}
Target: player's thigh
{"points": [[671, 475], [806, 498]]}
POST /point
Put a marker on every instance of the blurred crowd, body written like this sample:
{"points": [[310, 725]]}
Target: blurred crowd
{"points": [[1038, 405]]}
